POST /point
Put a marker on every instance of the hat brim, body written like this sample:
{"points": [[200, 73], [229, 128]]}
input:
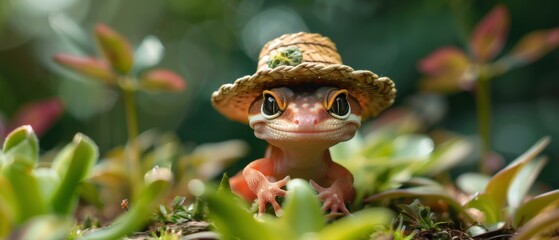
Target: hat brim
{"points": [[373, 93]]}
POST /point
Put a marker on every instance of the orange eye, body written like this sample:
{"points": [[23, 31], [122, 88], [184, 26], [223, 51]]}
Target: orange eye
{"points": [[338, 106], [271, 108]]}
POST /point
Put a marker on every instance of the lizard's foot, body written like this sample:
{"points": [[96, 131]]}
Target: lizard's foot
{"points": [[332, 199], [268, 193]]}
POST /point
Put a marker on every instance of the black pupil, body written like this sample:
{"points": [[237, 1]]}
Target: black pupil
{"points": [[270, 106], [340, 106]]}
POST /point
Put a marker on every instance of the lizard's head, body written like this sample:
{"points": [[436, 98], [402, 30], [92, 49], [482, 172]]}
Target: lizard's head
{"points": [[305, 116]]}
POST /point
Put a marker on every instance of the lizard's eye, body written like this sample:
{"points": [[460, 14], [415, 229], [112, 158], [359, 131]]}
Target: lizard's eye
{"points": [[270, 106], [339, 106]]}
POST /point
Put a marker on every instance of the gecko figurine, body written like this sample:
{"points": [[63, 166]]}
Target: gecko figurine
{"points": [[302, 100]]}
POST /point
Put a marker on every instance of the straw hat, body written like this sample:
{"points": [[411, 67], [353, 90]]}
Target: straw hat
{"points": [[298, 59]]}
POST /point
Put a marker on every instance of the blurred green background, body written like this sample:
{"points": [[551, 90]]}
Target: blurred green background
{"points": [[212, 42]]}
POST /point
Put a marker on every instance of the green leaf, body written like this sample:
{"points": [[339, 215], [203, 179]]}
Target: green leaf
{"points": [[231, 219], [302, 212], [138, 215], [48, 181], [115, 48], [47, 227], [345, 151], [149, 53], [69, 30], [537, 226], [413, 146], [494, 197], [446, 155], [78, 165], [28, 196], [472, 183], [485, 203], [90, 193], [8, 206], [430, 192], [534, 206], [162, 80], [177, 202], [22, 141], [88, 66], [523, 182], [358, 226], [224, 185]]}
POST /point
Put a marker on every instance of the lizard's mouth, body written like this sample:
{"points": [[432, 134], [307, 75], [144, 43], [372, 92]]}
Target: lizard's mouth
{"points": [[274, 132]]}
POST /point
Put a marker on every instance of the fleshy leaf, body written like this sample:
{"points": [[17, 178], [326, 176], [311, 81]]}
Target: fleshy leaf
{"points": [[534, 206], [445, 70], [41, 115], [115, 48], [138, 215], [17, 136], [430, 192], [490, 34], [230, 218], [149, 53], [358, 226], [542, 223], [89, 66], [534, 45], [495, 194], [162, 80], [68, 29], [77, 167], [47, 227], [523, 182], [472, 183], [302, 209], [22, 141], [446, 155], [8, 206]]}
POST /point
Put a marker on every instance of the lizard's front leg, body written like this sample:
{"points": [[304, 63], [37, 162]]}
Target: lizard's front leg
{"points": [[265, 190]]}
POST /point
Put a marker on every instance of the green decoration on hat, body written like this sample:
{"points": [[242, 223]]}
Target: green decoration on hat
{"points": [[290, 56]]}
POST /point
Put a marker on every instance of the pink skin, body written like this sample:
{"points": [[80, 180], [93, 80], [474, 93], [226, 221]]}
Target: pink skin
{"points": [[300, 136]]}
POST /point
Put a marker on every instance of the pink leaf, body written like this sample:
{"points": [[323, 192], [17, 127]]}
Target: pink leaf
{"points": [[490, 34], [535, 44], [162, 80], [115, 48], [41, 115], [442, 60], [445, 70], [89, 66]]}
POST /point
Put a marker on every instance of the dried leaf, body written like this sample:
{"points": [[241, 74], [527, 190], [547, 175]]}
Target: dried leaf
{"points": [[535, 45], [115, 48], [490, 34], [89, 66], [162, 80]]}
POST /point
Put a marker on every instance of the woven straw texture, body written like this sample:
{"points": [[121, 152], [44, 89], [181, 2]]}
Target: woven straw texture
{"points": [[321, 64]]}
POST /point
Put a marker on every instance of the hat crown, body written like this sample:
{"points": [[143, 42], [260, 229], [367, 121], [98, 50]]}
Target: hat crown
{"points": [[314, 47]]}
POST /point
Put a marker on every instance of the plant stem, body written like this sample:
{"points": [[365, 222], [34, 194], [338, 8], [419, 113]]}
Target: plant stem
{"points": [[131, 114], [132, 150], [483, 99]]}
